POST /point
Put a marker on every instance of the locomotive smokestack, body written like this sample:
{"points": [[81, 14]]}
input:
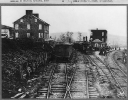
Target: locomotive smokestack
{"points": [[86, 38]]}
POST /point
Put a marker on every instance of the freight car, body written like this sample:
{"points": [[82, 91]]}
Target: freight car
{"points": [[78, 46], [63, 52]]}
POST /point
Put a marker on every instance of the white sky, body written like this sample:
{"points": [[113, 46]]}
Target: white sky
{"points": [[73, 18]]}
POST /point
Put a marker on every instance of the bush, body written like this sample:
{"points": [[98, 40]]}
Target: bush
{"points": [[17, 56]]}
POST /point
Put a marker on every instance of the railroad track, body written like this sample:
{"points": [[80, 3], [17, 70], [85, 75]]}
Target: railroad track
{"points": [[118, 74], [54, 82], [43, 79], [72, 81], [82, 79], [122, 69], [109, 75], [91, 72], [59, 82], [82, 83]]}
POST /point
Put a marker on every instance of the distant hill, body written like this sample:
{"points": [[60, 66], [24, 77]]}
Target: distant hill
{"points": [[117, 40], [112, 39]]}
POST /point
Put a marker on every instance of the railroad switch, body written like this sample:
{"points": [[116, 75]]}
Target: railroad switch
{"points": [[68, 88], [121, 94]]}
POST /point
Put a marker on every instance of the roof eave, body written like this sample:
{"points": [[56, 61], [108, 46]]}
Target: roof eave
{"points": [[41, 20]]}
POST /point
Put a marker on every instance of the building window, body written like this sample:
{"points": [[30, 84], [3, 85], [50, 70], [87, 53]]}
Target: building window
{"points": [[44, 35], [44, 28], [96, 44], [16, 26], [40, 26], [41, 35], [28, 26], [6, 30], [16, 35], [47, 36], [35, 20], [2, 30], [91, 34], [21, 20], [28, 35], [103, 39], [47, 28], [102, 33], [101, 45]]}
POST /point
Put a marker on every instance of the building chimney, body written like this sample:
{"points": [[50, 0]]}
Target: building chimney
{"points": [[86, 38], [29, 12], [97, 28], [36, 15]]}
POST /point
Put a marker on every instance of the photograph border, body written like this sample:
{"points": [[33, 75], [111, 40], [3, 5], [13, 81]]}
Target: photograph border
{"points": [[5, 4]]}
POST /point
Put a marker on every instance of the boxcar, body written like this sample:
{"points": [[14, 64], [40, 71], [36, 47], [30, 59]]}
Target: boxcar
{"points": [[63, 52]]}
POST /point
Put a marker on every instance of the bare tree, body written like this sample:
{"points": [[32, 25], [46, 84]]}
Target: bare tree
{"points": [[66, 37], [80, 36], [62, 38], [69, 37]]}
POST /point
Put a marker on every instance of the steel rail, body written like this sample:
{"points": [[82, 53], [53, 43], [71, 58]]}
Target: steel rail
{"points": [[19, 94], [119, 67], [86, 75], [87, 78], [118, 84], [93, 65], [66, 78], [111, 70], [69, 83], [120, 77], [87, 84], [50, 80], [97, 66]]}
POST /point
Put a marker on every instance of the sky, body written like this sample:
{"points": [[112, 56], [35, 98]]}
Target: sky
{"points": [[73, 18]]}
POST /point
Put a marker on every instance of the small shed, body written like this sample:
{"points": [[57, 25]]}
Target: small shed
{"points": [[7, 31], [97, 44]]}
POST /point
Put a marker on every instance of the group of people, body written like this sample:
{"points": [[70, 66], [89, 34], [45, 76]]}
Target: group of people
{"points": [[103, 51]]}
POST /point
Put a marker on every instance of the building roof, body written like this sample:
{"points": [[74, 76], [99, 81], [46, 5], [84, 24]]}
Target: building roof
{"points": [[34, 17], [98, 30], [6, 27], [97, 40], [40, 20]]}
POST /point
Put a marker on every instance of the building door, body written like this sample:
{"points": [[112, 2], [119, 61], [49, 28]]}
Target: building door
{"points": [[96, 44]]}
